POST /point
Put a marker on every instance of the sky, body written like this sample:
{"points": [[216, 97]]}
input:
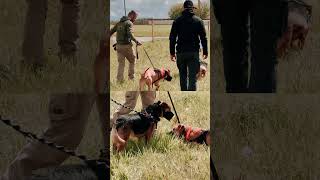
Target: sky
{"points": [[145, 8]]}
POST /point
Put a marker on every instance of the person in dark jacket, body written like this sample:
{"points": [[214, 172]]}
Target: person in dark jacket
{"points": [[190, 31], [261, 23]]}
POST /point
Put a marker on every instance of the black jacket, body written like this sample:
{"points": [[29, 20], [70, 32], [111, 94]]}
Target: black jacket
{"points": [[190, 30]]}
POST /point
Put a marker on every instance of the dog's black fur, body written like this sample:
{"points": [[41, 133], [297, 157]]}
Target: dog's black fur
{"points": [[140, 123], [88, 171]]}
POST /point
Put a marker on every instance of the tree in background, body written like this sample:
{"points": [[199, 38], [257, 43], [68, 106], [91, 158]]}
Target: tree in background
{"points": [[203, 12]]}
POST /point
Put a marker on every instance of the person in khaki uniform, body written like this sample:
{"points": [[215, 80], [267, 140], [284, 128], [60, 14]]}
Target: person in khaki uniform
{"points": [[131, 97], [68, 115], [34, 30], [124, 45]]}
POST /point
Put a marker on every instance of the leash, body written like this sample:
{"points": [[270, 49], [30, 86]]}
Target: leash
{"points": [[129, 108], [213, 170], [137, 53], [34, 137], [148, 57], [173, 107]]}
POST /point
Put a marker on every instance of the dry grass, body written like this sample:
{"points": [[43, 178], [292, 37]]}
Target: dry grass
{"points": [[282, 132], [58, 76], [299, 72], [31, 112], [159, 53], [166, 157]]}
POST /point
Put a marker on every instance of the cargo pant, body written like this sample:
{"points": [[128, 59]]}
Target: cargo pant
{"points": [[68, 115], [125, 52], [34, 30], [188, 64], [131, 97], [255, 23]]}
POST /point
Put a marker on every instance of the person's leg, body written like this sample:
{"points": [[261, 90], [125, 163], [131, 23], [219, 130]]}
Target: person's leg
{"points": [[193, 68], [34, 30], [130, 55], [69, 29], [130, 101], [183, 71], [266, 29], [147, 98], [234, 30], [68, 115], [121, 62], [102, 102]]}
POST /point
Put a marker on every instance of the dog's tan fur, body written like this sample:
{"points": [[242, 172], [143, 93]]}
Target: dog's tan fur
{"points": [[121, 136], [202, 72], [150, 77]]}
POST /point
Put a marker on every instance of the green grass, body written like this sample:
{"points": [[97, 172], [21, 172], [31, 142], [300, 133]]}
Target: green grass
{"points": [[31, 112], [160, 56], [166, 157], [282, 132]]}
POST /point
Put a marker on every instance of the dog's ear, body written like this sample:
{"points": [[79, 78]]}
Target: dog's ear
{"points": [[159, 102]]}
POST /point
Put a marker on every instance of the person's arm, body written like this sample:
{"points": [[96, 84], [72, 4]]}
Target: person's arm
{"points": [[130, 33], [113, 30], [203, 39], [173, 39]]}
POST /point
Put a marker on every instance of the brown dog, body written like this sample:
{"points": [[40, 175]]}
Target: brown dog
{"points": [[190, 134], [139, 125], [203, 70], [152, 77], [299, 17]]}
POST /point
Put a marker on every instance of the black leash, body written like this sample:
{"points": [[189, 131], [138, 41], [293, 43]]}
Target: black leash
{"points": [[213, 170], [141, 113], [173, 107], [33, 136], [148, 57]]}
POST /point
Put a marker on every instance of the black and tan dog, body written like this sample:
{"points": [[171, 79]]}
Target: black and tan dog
{"points": [[139, 125]]}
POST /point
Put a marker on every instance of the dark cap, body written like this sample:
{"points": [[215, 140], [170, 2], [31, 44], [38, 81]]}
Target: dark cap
{"points": [[188, 4]]}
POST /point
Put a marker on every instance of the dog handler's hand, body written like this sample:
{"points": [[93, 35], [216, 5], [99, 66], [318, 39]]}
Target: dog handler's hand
{"points": [[138, 43], [205, 56], [173, 57]]}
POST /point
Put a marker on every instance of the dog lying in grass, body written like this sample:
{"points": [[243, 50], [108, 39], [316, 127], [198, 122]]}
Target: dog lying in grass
{"points": [[139, 125], [191, 134], [152, 77], [299, 17], [89, 171], [203, 70]]}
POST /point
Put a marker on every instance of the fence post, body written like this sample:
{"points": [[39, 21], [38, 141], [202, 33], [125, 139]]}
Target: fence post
{"points": [[152, 21]]}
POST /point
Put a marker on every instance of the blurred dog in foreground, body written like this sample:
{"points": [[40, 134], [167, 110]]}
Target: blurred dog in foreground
{"points": [[299, 24], [139, 125]]}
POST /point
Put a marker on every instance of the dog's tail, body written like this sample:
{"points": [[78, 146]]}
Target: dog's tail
{"points": [[117, 140]]}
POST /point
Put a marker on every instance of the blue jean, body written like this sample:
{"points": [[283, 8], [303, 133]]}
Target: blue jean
{"points": [[188, 64]]}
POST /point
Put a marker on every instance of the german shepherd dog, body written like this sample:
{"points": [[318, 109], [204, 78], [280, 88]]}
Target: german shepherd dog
{"points": [[299, 23], [152, 77], [89, 171], [139, 125]]}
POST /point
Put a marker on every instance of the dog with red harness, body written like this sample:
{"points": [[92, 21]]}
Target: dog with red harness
{"points": [[152, 76], [191, 134]]}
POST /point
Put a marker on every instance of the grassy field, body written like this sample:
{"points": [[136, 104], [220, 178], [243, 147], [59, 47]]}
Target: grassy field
{"points": [[159, 53], [166, 157], [57, 76], [31, 112], [270, 137], [159, 30], [298, 72]]}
